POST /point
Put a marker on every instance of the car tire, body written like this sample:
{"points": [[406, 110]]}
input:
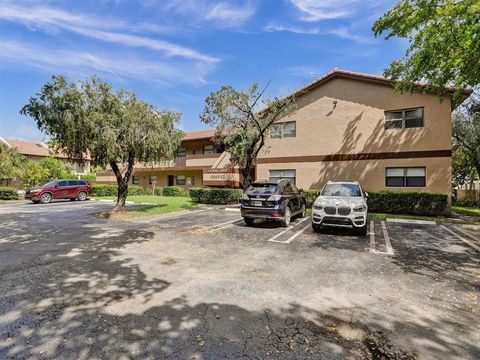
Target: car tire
{"points": [[361, 230], [46, 198], [82, 196], [287, 218], [249, 221], [316, 227], [303, 212]]}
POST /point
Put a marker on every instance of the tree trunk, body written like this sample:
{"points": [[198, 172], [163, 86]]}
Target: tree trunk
{"points": [[122, 183], [247, 177]]}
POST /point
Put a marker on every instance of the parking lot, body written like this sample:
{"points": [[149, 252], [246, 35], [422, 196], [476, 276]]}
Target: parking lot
{"points": [[203, 285]]}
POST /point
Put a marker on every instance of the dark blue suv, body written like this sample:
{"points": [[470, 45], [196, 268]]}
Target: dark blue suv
{"points": [[275, 200]]}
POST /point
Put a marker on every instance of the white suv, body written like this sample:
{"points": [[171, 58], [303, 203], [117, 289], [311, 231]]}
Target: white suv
{"points": [[341, 204]]}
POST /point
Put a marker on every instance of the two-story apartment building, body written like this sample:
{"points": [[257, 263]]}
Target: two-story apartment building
{"points": [[347, 126], [37, 151]]}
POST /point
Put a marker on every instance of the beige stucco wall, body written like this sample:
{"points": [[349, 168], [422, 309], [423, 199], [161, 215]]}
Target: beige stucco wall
{"points": [[356, 123], [162, 177], [370, 173]]}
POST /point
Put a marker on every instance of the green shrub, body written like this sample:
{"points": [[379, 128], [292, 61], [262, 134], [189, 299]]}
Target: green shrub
{"points": [[216, 196], [8, 193], [111, 190], [136, 190], [174, 191], [158, 191], [414, 203], [104, 190], [310, 196]]}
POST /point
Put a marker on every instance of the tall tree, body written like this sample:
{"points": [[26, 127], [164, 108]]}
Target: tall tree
{"points": [[444, 38], [114, 128], [12, 163], [242, 120], [466, 131]]}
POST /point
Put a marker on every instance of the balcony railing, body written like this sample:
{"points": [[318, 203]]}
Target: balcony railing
{"points": [[197, 160]]}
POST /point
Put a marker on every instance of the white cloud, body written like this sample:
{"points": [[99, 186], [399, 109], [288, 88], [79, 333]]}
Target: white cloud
{"points": [[51, 19], [220, 14], [316, 10], [85, 63], [229, 14], [339, 31]]}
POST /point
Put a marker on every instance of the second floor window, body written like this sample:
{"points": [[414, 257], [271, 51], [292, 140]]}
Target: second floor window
{"points": [[399, 119], [208, 149], [181, 152], [283, 130]]}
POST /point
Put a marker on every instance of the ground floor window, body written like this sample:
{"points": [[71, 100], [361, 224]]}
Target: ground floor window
{"points": [[180, 180], [136, 180], [276, 175], [190, 180], [152, 179], [405, 177]]}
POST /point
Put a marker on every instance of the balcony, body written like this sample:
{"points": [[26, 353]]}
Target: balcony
{"points": [[197, 160]]}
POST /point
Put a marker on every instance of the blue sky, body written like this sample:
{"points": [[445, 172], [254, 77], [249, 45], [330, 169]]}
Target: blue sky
{"points": [[173, 53]]}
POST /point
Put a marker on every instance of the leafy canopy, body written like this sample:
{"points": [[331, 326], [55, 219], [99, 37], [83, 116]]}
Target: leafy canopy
{"points": [[12, 163], [88, 117], [242, 119], [444, 38]]}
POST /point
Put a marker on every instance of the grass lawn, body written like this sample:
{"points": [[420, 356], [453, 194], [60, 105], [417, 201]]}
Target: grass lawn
{"points": [[163, 205], [466, 210]]}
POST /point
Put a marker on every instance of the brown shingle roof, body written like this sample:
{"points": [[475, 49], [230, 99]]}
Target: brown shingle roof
{"points": [[199, 134], [34, 148]]}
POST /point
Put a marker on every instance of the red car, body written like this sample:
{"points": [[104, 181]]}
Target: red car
{"points": [[60, 189]]}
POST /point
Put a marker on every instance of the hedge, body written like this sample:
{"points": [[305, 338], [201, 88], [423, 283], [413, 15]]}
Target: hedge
{"points": [[216, 196], [174, 191], [397, 202], [111, 190], [414, 203], [8, 193]]}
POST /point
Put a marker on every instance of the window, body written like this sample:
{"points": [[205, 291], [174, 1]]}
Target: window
{"points": [[136, 180], [283, 130], [152, 179], [181, 152], [405, 177], [208, 149], [337, 189], [190, 180], [410, 118], [72, 183], [180, 180], [62, 183], [276, 175]]}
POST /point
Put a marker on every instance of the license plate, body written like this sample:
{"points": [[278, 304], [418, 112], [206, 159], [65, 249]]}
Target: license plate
{"points": [[257, 203]]}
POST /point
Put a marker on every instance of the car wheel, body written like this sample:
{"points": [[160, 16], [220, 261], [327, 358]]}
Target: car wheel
{"points": [[316, 227], [361, 230], [288, 217], [303, 212], [82, 196], [248, 221], [45, 198]]}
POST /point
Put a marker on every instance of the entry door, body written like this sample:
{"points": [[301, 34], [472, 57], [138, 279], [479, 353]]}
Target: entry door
{"points": [[170, 180]]}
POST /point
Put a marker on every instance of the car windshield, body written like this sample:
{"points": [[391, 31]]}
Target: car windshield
{"points": [[262, 188], [50, 183], [342, 190]]}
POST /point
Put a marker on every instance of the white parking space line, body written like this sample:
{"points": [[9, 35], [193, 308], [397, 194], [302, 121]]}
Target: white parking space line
{"points": [[372, 236], [290, 239], [461, 238], [466, 233], [272, 239], [388, 244], [222, 225]]}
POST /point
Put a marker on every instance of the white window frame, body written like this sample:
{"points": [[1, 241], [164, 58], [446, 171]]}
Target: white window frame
{"points": [[403, 119], [293, 178], [405, 176], [184, 180], [277, 130]]}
